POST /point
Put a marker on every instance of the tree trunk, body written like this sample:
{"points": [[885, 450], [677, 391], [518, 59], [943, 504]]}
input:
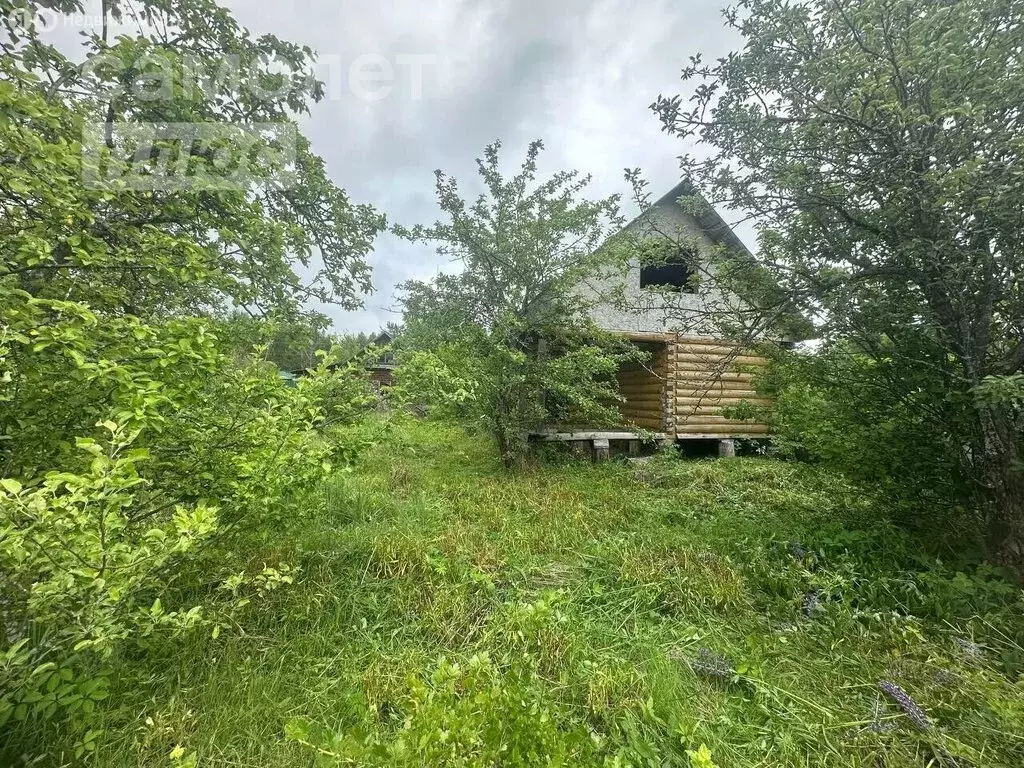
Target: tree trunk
{"points": [[1002, 472]]}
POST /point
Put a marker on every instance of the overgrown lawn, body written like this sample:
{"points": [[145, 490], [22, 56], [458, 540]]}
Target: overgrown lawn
{"points": [[449, 613]]}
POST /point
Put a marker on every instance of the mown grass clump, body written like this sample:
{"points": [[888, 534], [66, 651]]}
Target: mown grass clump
{"points": [[449, 613]]}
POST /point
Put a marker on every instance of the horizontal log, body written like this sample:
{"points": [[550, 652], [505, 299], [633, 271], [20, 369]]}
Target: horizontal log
{"points": [[709, 397], [563, 437], [641, 381], [701, 426], [704, 431], [703, 378], [657, 370], [630, 392], [724, 402], [713, 421], [651, 365], [721, 361], [642, 405], [708, 371], [724, 388], [712, 348], [720, 342], [655, 426], [643, 336], [709, 340], [685, 412], [713, 389], [649, 399], [643, 376], [643, 413], [648, 379]]}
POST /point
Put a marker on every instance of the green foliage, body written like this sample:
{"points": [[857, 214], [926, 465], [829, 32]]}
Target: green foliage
{"points": [[443, 609], [144, 441], [877, 145], [180, 467], [830, 406], [470, 714], [508, 339]]}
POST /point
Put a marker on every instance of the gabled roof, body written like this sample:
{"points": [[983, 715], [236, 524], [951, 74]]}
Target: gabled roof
{"points": [[710, 221]]}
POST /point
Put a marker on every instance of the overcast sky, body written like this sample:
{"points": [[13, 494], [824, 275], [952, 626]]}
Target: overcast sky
{"points": [[579, 74]]}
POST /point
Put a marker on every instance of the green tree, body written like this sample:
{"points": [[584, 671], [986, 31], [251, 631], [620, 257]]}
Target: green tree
{"points": [[877, 143], [137, 433], [509, 334], [168, 251]]}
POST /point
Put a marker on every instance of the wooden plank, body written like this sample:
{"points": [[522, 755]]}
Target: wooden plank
{"points": [[721, 361], [711, 420], [683, 412], [723, 402], [568, 437], [701, 431], [696, 370], [713, 347]]}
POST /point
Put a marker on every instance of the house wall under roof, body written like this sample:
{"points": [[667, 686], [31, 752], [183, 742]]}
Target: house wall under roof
{"points": [[637, 310]]}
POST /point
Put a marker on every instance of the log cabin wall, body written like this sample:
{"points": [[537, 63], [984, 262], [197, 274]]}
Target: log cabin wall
{"points": [[644, 386], [705, 376]]}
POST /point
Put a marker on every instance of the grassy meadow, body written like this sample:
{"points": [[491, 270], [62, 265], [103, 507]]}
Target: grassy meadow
{"points": [[700, 613]]}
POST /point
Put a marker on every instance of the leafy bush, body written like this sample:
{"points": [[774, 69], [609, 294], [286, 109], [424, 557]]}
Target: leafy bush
{"points": [[828, 407], [141, 441], [108, 500]]}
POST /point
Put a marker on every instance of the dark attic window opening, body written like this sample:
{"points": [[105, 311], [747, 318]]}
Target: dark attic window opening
{"points": [[674, 275]]}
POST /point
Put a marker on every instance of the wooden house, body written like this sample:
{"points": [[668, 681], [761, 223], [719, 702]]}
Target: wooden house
{"points": [[692, 375], [382, 367]]}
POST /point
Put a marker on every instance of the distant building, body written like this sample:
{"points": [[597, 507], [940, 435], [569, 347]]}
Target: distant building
{"points": [[382, 368]]}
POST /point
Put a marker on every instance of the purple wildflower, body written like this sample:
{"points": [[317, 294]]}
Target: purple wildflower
{"points": [[712, 665], [877, 725], [797, 550], [969, 648], [812, 603], [881, 726], [910, 708]]}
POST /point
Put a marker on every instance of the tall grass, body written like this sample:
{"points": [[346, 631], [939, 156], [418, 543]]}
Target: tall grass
{"points": [[449, 613]]}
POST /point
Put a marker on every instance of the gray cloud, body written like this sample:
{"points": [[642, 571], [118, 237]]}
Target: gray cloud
{"points": [[579, 74]]}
